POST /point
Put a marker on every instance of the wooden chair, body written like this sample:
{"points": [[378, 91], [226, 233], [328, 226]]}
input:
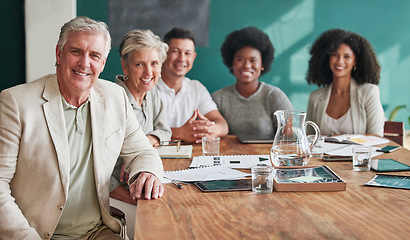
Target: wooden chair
{"points": [[394, 131]]}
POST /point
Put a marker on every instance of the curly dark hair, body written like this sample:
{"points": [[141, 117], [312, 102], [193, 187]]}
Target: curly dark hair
{"points": [[367, 67], [248, 37]]}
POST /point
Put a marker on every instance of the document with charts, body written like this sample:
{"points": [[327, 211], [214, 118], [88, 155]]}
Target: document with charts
{"points": [[232, 161]]}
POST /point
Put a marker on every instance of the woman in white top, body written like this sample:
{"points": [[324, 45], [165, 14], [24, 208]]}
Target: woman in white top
{"points": [[345, 65]]}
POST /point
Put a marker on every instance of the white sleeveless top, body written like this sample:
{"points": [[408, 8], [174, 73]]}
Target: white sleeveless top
{"points": [[342, 125]]}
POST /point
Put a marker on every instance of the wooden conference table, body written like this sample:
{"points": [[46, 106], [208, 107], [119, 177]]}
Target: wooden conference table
{"points": [[360, 212]]}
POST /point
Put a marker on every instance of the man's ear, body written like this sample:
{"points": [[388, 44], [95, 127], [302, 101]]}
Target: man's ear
{"points": [[104, 61], [194, 56], [58, 54]]}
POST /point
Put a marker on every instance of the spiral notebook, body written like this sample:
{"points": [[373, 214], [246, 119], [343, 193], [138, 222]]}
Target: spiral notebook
{"points": [[219, 172], [232, 161]]}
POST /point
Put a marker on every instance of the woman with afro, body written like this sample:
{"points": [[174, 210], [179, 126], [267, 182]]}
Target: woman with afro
{"points": [[345, 66], [248, 105]]}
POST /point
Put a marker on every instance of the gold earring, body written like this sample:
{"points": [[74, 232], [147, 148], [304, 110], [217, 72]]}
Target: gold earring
{"points": [[354, 68]]}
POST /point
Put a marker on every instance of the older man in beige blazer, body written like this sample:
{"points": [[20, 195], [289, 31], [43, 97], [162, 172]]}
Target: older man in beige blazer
{"points": [[42, 178]]}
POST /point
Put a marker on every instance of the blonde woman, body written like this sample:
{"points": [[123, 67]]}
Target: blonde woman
{"points": [[142, 54]]}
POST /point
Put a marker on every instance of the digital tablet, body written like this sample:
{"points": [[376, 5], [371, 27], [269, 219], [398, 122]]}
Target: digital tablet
{"points": [[388, 165], [225, 185], [255, 138], [334, 158], [388, 149]]}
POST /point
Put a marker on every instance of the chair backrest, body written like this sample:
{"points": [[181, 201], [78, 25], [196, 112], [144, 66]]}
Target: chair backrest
{"points": [[394, 131]]}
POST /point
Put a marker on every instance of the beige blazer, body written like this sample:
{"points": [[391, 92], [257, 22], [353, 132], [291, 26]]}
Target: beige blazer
{"points": [[367, 111], [34, 154]]}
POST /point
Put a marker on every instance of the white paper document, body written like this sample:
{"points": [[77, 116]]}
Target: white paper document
{"points": [[204, 174], [363, 140], [338, 149], [232, 161]]}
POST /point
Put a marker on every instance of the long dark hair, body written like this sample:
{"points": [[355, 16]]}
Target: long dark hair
{"points": [[367, 68]]}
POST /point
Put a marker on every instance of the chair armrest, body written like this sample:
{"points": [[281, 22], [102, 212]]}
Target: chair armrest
{"points": [[117, 213]]}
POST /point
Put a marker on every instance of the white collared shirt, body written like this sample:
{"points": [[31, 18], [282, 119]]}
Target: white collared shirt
{"points": [[180, 107]]}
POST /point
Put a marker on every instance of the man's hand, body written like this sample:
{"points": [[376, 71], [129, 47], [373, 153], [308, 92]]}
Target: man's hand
{"points": [[194, 129], [202, 126], [148, 183], [154, 140]]}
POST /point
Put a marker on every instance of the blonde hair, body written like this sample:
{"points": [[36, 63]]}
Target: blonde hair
{"points": [[136, 40]]}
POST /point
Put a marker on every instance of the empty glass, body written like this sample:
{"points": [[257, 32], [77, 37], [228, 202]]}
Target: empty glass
{"points": [[210, 145]]}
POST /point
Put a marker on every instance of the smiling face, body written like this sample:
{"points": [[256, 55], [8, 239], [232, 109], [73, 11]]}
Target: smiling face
{"points": [[79, 63], [342, 61], [247, 65], [180, 57], [143, 70]]}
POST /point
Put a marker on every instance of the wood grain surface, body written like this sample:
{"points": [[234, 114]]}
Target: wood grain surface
{"points": [[360, 212]]}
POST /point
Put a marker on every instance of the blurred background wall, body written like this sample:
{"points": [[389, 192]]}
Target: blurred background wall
{"points": [[292, 25]]}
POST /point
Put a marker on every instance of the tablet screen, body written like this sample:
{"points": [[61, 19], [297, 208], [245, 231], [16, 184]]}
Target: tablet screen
{"points": [[225, 185], [388, 165]]}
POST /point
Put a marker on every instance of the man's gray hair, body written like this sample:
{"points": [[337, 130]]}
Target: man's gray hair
{"points": [[84, 24]]}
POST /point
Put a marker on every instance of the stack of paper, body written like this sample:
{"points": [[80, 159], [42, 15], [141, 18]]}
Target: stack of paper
{"points": [[204, 174], [338, 149], [342, 145], [357, 139]]}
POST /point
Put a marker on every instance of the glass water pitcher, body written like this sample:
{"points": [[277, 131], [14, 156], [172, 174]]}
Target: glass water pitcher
{"points": [[290, 145]]}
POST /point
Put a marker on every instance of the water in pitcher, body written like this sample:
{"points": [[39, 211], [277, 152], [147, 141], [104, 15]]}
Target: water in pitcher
{"points": [[291, 146], [289, 156]]}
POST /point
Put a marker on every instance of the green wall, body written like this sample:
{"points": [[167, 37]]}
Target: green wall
{"points": [[12, 42], [292, 26]]}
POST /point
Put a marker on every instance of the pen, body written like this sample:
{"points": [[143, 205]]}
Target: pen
{"points": [[179, 145], [178, 185], [167, 143]]}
